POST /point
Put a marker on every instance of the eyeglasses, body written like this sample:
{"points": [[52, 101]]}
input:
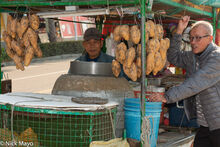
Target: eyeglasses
{"points": [[197, 38]]}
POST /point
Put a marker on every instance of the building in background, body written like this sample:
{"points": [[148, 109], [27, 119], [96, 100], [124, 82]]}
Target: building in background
{"points": [[72, 30]]}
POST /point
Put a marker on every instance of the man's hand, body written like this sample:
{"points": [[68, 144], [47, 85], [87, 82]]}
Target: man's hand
{"points": [[156, 97], [182, 24]]}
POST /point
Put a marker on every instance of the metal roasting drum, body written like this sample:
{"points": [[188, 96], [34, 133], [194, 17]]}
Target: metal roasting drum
{"points": [[95, 79], [91, 68]]}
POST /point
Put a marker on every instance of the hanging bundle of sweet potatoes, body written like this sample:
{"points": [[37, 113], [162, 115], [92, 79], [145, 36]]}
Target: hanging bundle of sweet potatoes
{"points": [[21, 39], [156, 48], [124, 56]]}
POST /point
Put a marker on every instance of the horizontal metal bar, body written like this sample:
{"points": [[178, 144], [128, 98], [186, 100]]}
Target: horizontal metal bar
{"points": [[178, 10], [14, 9], [185, 7], [6, 11], [67, 3], [84, 12]]}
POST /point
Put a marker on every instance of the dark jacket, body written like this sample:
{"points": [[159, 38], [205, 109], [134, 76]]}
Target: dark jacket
{"points": [[101, 58], [203, 80]]}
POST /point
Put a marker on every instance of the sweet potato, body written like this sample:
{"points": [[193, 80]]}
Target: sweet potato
{"points": [[158, 63], [163, 49], [116, 68], [28, 55], [133, 72], [126, 70], [18, 29], [17, 61], [120, 53], [130, 56], [29, 135], [7, 39], [163, 43], [122, 56], [38, 52], [116, 33], [20, 42], [124, 32], [167, 42], [32, 37], [34, 21], [150, 63], [158, 31], [146, 37], [10, 52], [139, 50], [138, 62], [161, 31], [135, 34], [6, 136], [22, 26], [157, 45], [151, 45], [150, 27], [16, 47], [26, 40], [9, 20], [138, 72], [13, 27]]}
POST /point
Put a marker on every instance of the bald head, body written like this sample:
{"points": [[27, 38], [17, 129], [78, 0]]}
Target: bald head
{"points": [[204, 24], [200, 36]]}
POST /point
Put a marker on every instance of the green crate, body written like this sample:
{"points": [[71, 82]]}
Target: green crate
{"points": [[58, 128]]}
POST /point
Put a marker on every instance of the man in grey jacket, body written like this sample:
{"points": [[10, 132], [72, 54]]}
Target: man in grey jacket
{"points": [[201, 89]]}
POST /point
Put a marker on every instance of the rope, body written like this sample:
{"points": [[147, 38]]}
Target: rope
{"points": [[12, 134], [113, 127], [147, 131], [12, 114]]}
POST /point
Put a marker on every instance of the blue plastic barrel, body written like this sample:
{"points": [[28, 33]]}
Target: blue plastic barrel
{"points": [[132, 111]]}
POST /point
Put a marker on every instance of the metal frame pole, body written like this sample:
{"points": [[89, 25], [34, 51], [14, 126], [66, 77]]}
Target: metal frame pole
{"points": [[214, 22], [0, 55], [143, 59]]}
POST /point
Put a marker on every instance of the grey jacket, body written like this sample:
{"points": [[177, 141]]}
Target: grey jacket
{"points": [[203, 81]]}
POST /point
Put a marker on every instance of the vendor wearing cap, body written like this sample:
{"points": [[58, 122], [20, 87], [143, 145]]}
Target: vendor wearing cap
{"points": [[92, 44]]}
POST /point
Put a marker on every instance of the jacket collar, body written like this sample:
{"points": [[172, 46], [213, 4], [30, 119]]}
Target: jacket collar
{"points": [[95, 60], [206, 52]]}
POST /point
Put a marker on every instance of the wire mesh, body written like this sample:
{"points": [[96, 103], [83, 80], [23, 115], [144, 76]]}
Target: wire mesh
{"points": [[53, 128]]}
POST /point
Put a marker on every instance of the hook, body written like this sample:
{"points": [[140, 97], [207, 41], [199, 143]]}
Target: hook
{"points": [[135, 19], [118, 12], [160, 20], [122, 11], [108, 10]]}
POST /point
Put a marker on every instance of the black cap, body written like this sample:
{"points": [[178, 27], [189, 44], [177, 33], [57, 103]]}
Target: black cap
{"points": [[92, 33]]}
